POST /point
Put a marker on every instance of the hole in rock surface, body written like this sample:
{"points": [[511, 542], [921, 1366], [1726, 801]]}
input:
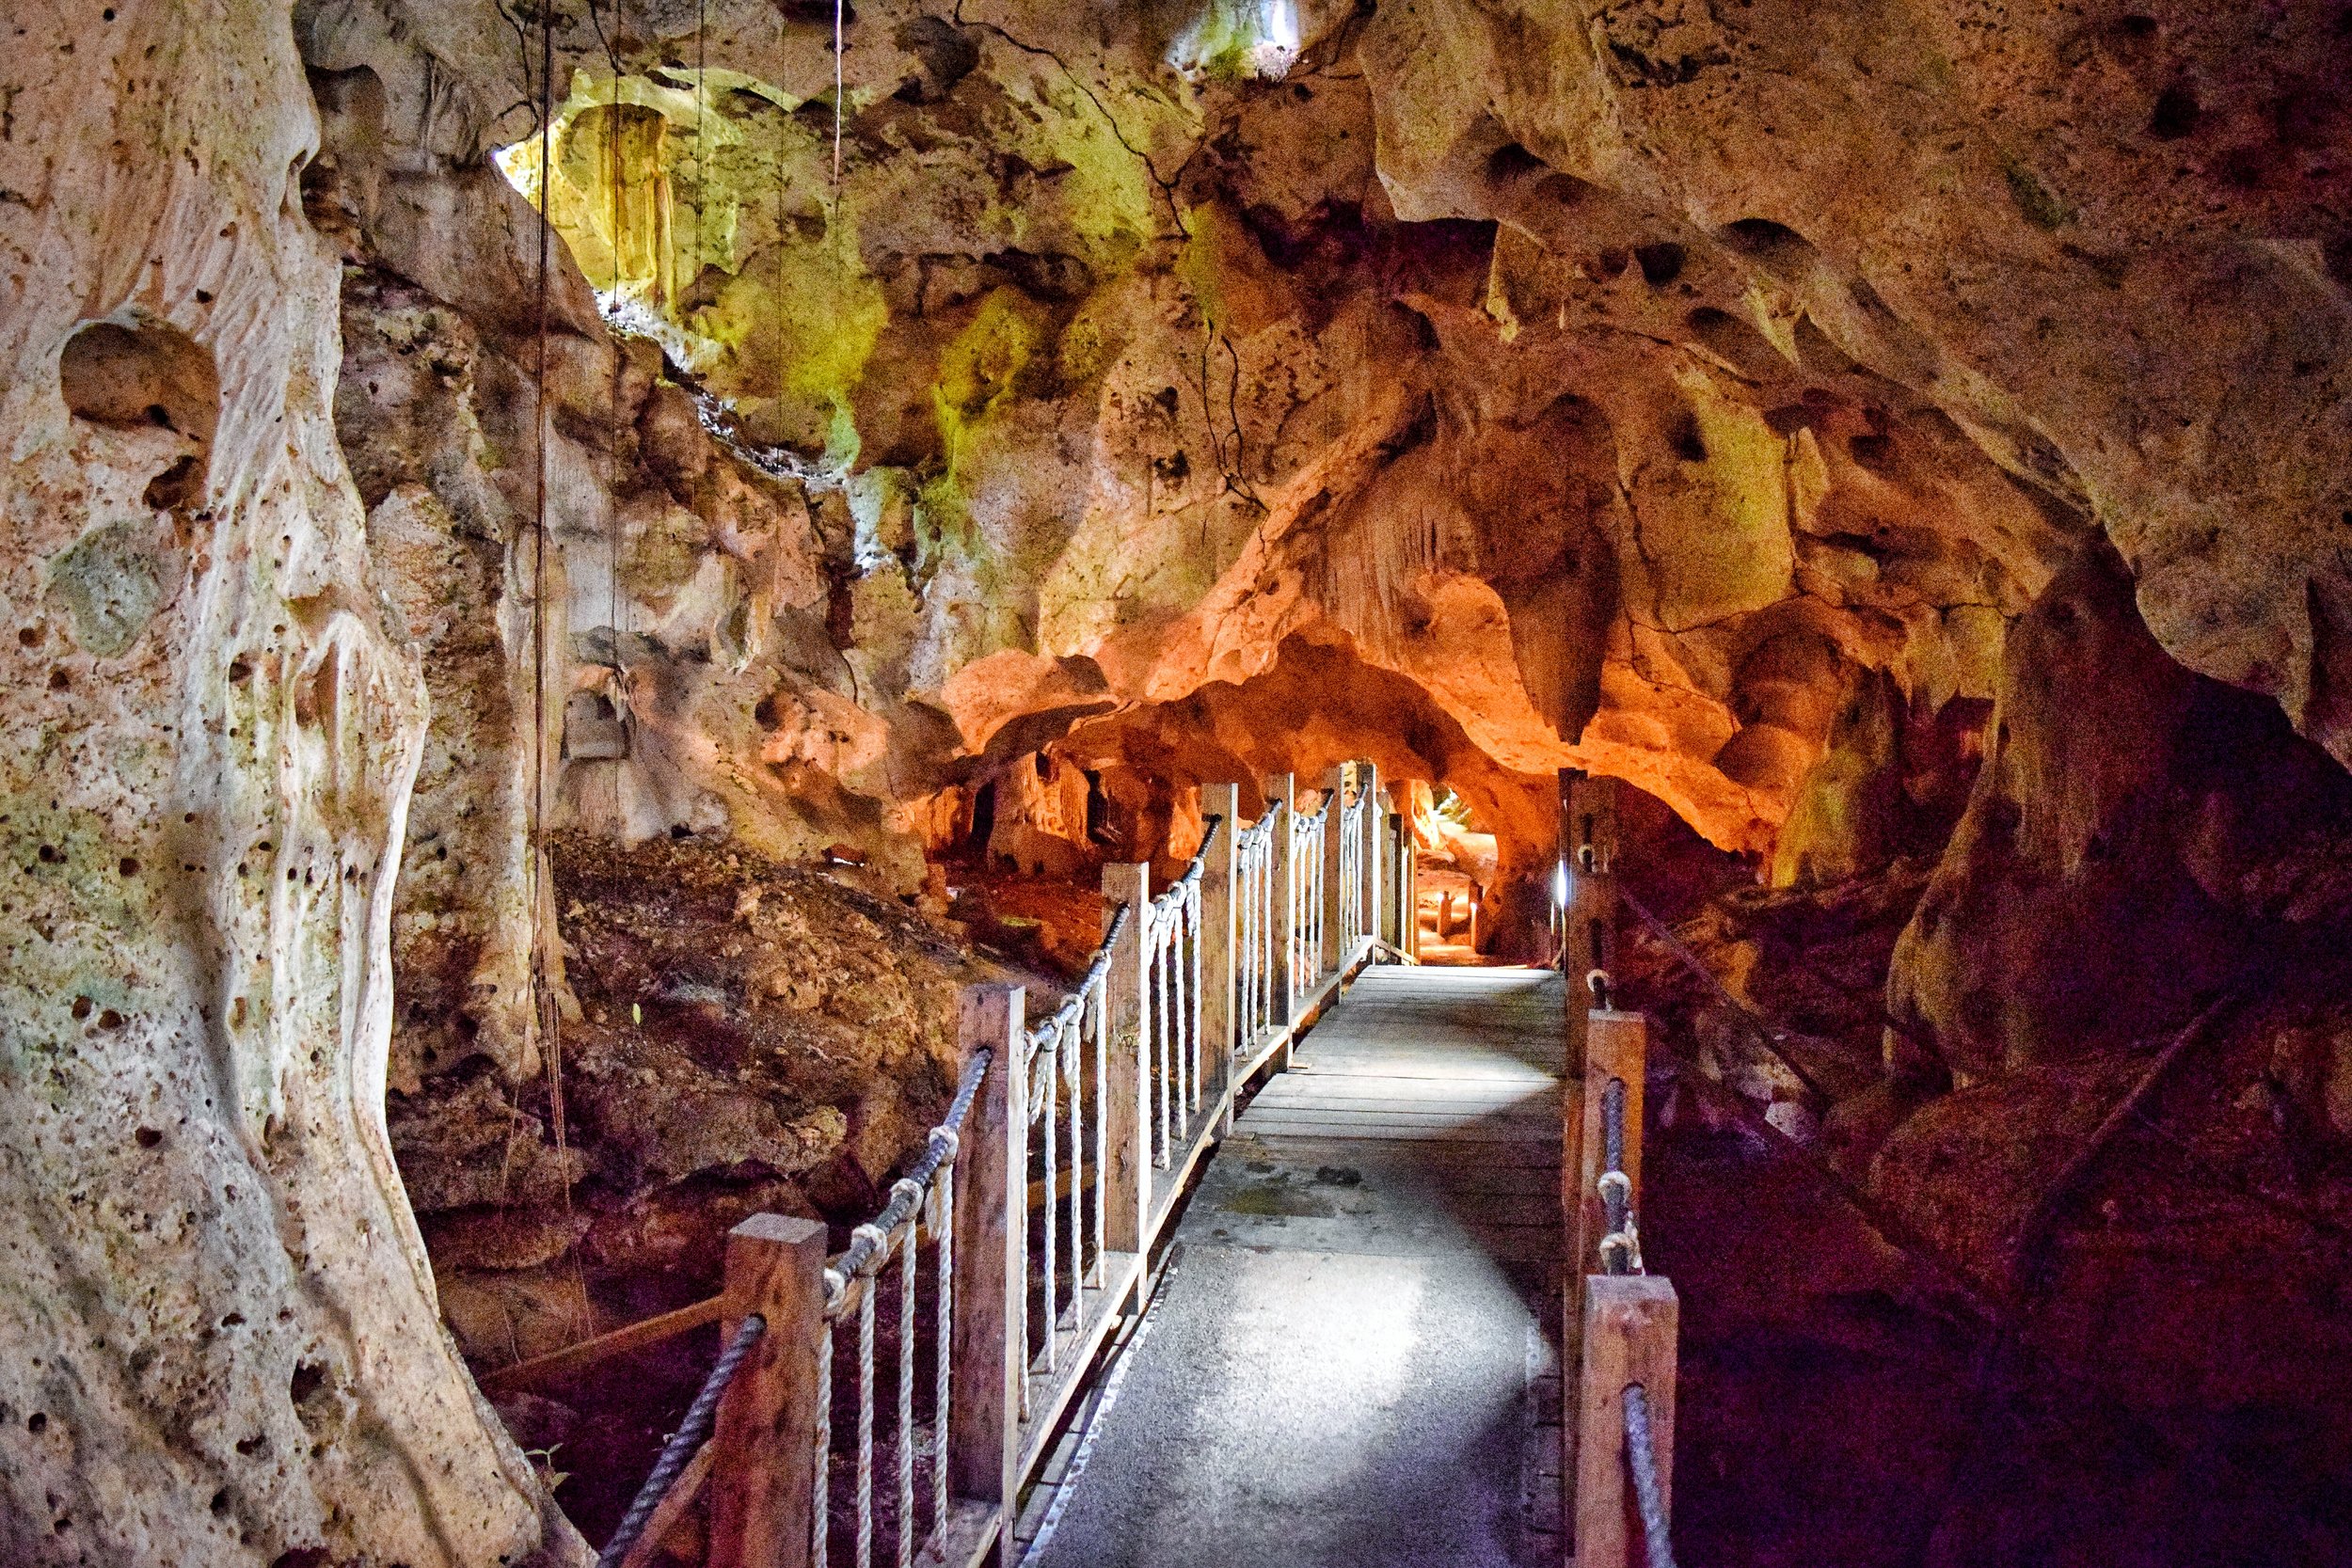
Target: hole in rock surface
{"points": [[2176, 113], [149, 374], [1660, 263]]}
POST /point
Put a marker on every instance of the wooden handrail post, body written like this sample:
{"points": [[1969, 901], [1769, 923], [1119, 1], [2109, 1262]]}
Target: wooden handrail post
{"points": [[1588, 856], [1375, 833], [764, 1463], [1127, 1090], [1616, 1047], [1218, 947], [1409, 870], [1588, 853], [1392, 917], [990, 1261], [1588, 850], [1629, 1327], [1281, 794], [1334, 837]]}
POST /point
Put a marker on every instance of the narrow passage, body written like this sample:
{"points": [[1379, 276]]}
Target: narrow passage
{"points": [[1351, 1356]]}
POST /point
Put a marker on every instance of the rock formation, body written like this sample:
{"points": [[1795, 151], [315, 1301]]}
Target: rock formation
{"points": [[742, 437], [223, 1337]]}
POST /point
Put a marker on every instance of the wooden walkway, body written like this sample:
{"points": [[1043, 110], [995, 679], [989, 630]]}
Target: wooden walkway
{"points": [[1348, 1363]]}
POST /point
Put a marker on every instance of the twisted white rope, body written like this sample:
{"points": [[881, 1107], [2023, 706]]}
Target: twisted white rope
{"points": [[943, 1225], [866, 1425], [1101, 1131], [1072, 1045], [1052, 1172], [820, 1516], [906, 1389]]}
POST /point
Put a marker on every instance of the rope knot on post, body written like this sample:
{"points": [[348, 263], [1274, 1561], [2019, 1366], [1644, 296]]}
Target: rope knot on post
{"points": [[875, 1239], [1621, 1251]]}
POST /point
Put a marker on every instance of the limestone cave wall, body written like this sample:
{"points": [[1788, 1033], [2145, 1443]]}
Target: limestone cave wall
{"points": [[223, 1338], [1861, 427]]}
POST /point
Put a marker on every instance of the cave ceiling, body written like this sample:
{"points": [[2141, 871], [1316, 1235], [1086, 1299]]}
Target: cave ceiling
{"points": [[1631, 382]]}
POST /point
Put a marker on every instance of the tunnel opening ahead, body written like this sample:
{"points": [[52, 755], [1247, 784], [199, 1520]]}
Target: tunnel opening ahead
{"points": [[1456, 861]]}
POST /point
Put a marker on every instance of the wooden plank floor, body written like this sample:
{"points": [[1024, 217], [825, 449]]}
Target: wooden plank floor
{"points": [[1348, 1366]]}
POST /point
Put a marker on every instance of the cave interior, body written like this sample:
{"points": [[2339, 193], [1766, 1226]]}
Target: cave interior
{"points": [[576, 569]]}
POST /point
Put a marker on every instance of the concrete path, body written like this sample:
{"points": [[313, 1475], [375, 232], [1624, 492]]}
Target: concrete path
{"points": [[1349, 1360]]}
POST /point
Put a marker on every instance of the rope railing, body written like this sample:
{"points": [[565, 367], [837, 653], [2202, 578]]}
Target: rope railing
{"points": [[939, 1151], [1355, 917], [1154, 946], [1060, 1070], [1074, 1136], [692, 1432], [1621, 1249], [1305, 913], [1253, 854], [1641, 1459], [1174, 945], [847, 1282], [852, 1283]]}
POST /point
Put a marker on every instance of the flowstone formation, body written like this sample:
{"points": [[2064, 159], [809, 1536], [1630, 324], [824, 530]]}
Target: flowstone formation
{"points": [[223, 1343]]}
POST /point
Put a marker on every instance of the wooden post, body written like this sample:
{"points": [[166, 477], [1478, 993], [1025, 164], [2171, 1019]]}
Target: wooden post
{"points": [[1409, 875], [1629, 1332], [1589, 828], [991, 1263], [1281, 793], [1588, 840], [1569, 778], [1127, 1091], [1399, 849], [1375, 833], [764, 1443], [1334, 834], [1588, 850], [1618, 1047], [1217, 949]]}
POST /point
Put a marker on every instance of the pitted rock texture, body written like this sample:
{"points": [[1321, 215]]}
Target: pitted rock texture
{"points": [[1091, 382], [1071, 411], [2179, 819], [222, 1330]]}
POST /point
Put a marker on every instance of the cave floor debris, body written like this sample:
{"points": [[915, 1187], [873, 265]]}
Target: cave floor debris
{"points": [[1350, 1361]]}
